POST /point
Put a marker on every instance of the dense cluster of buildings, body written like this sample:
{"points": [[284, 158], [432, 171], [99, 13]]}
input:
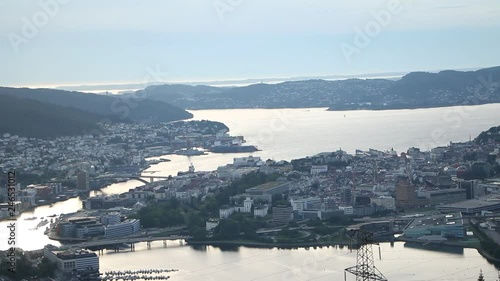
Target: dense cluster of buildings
{"points": [[322, 186], [69, 165], [332, 184], [110, 223], [116, 145]]}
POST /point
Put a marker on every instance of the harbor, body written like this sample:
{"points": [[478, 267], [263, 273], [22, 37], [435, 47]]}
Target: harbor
{"points": [[142, 274]]}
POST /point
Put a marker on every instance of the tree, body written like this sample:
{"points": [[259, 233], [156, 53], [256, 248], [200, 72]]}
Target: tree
{"points": [[23, 270], [199, 233], [227, 230], [480, 278], [46, 268]]}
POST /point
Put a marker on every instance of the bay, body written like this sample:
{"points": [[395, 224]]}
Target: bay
{"points": [[287, 134], [398, 263]]}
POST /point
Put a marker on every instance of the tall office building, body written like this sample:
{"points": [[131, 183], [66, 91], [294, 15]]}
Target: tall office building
{"points": [[472, 188], [406, 195], [405, 192], [346, 196], [82, 180]]}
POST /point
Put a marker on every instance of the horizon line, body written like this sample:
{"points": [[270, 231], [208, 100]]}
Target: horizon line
{"points": [[228, 82]]}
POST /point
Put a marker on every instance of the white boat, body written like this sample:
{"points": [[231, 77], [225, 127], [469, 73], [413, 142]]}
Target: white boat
{"points": [[190, 152], [42, 223]]}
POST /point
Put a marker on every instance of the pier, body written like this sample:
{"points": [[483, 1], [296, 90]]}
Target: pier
{"points": [[144, 274]]}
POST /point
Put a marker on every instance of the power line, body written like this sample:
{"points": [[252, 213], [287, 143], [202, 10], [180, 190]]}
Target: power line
{"points": [[365, 269]]}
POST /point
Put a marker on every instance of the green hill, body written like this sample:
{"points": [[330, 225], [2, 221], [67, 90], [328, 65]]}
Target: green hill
{"points": [[47, 113], [31, 118], [135, 109], [414, 90], [493, 134]]}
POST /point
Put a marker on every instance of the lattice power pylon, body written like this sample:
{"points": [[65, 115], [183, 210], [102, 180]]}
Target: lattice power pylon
{"points": [[365, 269]]}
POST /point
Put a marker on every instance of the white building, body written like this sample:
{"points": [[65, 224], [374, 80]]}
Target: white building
{"points": [[319, 169], [6, 209], [297, 204], [111, 218], [349, 210], [247, 205], [226, 212], [211, 224], [72, 259], [137, 159], [139, 194], [122, 229], [249, 161], [89, 230], [302, 204], [261, 211], [385, 201]]}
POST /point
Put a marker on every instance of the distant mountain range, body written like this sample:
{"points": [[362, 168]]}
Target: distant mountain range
{"points": [[50, 113], [225, 82], [414, 90]]}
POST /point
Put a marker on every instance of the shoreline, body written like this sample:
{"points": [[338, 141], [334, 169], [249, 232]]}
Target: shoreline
{"points": [[32, 208], [251, 244], [255, 244], [75, 195], [263, 245], [330, 108], [407, 107]]}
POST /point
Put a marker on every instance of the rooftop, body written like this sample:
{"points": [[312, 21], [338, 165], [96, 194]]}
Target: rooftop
{"points": [[74, 253], [486, 203], [449, 219], [268, 186], [447, 191]]}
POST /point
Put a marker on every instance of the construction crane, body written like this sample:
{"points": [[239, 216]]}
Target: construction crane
{"points": [[365, 269]]}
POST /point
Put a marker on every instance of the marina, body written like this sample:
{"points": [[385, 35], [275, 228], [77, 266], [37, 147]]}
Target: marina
{"points": [[142, 274]]}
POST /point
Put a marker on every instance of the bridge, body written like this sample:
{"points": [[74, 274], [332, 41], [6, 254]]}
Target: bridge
{"points": [[140, 178], [115, 244]]}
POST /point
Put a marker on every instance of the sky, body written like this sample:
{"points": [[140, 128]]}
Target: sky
{"points": [[74, 42]]}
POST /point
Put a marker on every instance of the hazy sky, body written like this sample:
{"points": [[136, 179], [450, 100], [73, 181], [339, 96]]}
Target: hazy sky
{"points": [[54, 42]]}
